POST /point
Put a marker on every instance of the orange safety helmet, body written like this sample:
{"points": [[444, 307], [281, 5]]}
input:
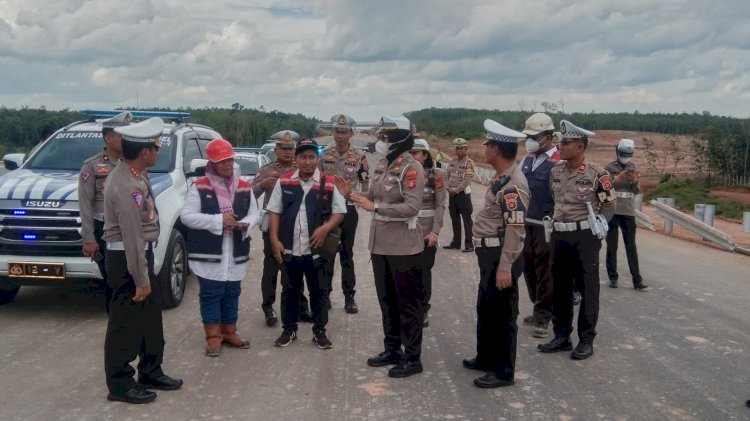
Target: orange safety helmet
{"points": [[219, 150]]}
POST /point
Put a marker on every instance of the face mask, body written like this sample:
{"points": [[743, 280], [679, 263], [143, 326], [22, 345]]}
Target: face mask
{"points": [[381, 147], [623, 160], [532, 146]]}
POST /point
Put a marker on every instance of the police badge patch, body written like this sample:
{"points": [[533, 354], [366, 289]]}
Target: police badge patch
{"points": [[85, 176], [605, 182], [511, 201], [137, 198], [411, 179]]}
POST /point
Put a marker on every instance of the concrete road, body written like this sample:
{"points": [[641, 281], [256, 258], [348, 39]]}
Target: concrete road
{"points": [[678, 352]]}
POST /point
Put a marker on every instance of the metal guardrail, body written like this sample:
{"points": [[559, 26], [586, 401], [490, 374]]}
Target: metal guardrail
{"points": [[692, 224], [644, 220]]}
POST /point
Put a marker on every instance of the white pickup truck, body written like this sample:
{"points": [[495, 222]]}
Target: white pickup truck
{"points": [[40, 242]]}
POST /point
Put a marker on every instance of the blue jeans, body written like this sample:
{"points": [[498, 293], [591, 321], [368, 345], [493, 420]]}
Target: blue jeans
{"points": [[219, 301]]}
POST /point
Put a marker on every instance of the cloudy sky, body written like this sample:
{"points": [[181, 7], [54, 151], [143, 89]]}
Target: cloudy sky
{"points": [[368, 58]]}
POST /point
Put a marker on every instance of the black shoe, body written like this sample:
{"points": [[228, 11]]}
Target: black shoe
{"points": [[322, 340], [583, 350], [452, 247], [576, 298], [468, 249], [425, 319], [405, 369], [747, 403], [384, 358], [135, 395], [305, 316], [559, 343], [350, 305], [640, 286], [612, 283], [271, 317], [163, 382], [491, 381], [473, 364], [287, 336]]}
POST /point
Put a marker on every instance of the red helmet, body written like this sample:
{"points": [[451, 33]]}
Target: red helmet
{"points": [[219, 150]]}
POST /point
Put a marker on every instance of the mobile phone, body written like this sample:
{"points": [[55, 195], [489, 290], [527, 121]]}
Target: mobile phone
{"points": [[98, 257]]}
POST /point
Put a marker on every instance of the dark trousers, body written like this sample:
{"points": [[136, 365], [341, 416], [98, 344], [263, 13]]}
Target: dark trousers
{"points": [[627, 225], [270, 278], [291, 289], [538, 273], [101, 261], [575, 260], [398, 282], [497, 311], [134, 328], [460, 207], [428, 261], [346, 253]]}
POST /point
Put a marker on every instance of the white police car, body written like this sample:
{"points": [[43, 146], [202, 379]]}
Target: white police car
{"points": [[40, 242]]}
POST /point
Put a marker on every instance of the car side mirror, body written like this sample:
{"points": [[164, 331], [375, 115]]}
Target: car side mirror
{"points": [[13, 161], [197, 168]]}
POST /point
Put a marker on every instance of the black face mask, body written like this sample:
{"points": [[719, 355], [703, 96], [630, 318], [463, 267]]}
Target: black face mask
{"points": [[399, 141]]}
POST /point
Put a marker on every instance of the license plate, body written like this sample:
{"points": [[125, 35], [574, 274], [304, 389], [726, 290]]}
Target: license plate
{"points": [[36, 270]]}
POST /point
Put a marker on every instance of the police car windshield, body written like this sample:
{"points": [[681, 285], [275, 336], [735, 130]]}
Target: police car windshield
{"points": [[66, 151]]}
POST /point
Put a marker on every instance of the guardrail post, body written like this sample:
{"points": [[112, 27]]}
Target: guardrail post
{"points": [[708, 217], [746, 222], [671, 202], [700, 211]]}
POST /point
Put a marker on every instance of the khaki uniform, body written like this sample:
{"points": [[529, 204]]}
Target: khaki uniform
{"points": [[623, 220], [91, 183], [502, 216], [397, 190], [460, 208], [351, 165], [575, 250], [433, 201], [130, 217], [271, 268]]}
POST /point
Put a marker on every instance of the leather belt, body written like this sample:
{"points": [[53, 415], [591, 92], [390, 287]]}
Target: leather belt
{"points": [[119, 245], [426, 213], [571, 226], [486, 242], [624, 194]]}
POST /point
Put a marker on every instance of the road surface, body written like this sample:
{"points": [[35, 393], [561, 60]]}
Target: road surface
{"points": [[678, 352]]}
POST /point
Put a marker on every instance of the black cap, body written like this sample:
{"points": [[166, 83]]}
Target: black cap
{"points": [[306, 144]]}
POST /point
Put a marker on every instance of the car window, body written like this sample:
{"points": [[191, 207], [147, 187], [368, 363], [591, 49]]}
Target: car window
{"points": [[248, 165], [192, 151]]}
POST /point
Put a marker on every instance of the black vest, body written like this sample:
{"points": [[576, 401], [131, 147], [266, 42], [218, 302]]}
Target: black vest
{"points": [[291, 202], [541, 202]]}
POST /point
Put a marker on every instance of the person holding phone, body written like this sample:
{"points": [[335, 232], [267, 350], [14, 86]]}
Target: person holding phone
{"points": [[219, 210]]}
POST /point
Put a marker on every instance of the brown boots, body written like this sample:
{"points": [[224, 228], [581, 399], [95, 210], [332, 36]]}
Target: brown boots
{"points": [[231, 338], [216, 334]]}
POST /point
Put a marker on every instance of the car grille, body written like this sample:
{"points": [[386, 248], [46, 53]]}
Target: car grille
{"points": [[40, 232]]}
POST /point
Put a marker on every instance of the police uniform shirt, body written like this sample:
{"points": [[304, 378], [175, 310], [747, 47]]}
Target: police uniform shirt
{"points": [[351, 165], [433, 199], [397, 189], [573, 188], [504, 209], [626, 188], [91, 183], [273, 169], [460, 173], [301, 242], [130, 217]]}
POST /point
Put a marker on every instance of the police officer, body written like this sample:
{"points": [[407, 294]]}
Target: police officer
{"points": [[430, 217], [342, 160], [625, 177], [131, 227], [460, 174], [91, 183], [536, 166], [498, 241], [396, 241], [264, 182], [577, 183]]}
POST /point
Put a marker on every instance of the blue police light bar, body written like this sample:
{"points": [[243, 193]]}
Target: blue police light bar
{"points": [[137, 114], [19, 212], [29, 236]]}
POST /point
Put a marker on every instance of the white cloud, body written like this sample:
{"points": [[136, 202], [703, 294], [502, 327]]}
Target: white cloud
{"points": [[321, 57]]}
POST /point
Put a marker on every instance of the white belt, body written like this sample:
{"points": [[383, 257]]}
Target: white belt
{"points": [[119, 245], [571, 226], [410, 222], [534, 222], [99, 217], [426, 213], [486, 242], [624, 194]]}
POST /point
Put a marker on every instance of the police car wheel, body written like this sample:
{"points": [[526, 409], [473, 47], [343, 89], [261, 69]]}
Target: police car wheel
{"points": [[8, 291], [173, 273]]}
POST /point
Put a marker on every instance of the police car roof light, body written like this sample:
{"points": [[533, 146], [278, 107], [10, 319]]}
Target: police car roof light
{"points": [[137, 114]]}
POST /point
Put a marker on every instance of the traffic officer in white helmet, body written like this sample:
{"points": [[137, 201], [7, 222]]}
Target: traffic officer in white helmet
{"points": [[625, 179]]}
